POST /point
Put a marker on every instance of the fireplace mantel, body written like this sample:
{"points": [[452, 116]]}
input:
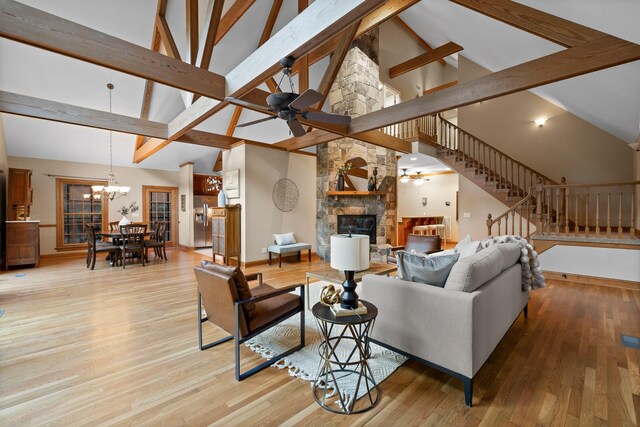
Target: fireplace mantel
{"points": [[337, 194]]}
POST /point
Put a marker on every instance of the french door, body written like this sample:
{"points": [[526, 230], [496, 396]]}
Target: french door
{"points": [[161, 204]]}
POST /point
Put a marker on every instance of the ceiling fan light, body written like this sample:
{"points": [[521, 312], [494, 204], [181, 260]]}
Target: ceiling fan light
{"points": [[404, 179]]}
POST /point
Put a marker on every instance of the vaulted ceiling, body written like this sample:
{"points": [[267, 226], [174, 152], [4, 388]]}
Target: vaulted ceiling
{"points": [[607, 98]]}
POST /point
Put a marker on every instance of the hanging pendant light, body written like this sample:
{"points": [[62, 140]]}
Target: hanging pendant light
{"points": [[404, 178], [112, 190]]}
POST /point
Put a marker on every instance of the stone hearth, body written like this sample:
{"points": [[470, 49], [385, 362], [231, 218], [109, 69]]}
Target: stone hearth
{"points": [[355, 92]]}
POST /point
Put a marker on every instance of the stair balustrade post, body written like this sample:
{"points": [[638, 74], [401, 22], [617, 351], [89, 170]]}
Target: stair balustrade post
{"points": [[539, 199], [489, 224]]}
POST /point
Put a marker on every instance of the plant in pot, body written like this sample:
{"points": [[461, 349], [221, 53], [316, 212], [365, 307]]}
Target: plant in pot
{"points": [[126, 210], [341, 171]]}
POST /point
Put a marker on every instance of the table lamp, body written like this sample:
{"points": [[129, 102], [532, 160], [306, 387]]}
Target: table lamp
{"points": [[349, 253]]}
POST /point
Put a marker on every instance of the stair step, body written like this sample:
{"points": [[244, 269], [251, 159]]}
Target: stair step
{"points": [[502, 190], [488, 183], [469, 169]]}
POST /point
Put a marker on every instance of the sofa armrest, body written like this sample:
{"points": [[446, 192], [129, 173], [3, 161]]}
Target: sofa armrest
{"points": [[429, 322]]}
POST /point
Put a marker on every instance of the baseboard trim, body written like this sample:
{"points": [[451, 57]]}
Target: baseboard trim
{"points": [[274, 261], [75, 254], [592, 280], [186, 248]]}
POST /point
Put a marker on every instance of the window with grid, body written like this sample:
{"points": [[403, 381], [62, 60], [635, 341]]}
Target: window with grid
{"points": [[160, 209], [74, 211]]}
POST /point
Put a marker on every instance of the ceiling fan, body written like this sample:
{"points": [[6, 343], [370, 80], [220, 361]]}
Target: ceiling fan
{"points": [[290, 106]]}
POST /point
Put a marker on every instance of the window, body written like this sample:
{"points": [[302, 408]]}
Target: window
{"points": [[160, 204], [73, 211]]}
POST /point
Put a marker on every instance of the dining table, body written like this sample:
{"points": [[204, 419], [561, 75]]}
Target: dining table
{"points": [[114, 236]]}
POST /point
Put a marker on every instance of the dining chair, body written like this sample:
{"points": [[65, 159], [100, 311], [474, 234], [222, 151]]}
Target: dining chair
{"points": [[114, 226], [157, 240], [94, 246], [132, 241]]}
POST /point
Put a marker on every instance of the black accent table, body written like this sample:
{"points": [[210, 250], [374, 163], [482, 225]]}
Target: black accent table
{"points": [[351, 335]]}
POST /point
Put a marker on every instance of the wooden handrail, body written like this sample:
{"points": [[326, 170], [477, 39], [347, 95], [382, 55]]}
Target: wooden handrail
{"points": [[524, 200], [611, 184], [546, 178]]}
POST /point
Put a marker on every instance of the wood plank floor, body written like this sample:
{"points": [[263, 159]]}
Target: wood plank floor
{"points": [[114, 347]]}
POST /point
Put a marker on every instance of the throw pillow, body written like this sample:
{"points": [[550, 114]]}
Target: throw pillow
{"points": [[467, 247], [284, 239], [431, 270], [242, 285]]}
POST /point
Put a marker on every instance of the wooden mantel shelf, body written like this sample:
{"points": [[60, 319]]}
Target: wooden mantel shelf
{"points": [[336, 194]]}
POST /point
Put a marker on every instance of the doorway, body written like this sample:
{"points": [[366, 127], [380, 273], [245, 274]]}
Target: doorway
{"points": [[161, 204]]}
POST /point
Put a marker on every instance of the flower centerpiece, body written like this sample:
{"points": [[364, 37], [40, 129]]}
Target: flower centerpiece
{"points": [[126, 210], [341, 171]]}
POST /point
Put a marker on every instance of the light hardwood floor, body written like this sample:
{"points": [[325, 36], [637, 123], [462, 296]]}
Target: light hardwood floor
{"points": [[105, 347]]}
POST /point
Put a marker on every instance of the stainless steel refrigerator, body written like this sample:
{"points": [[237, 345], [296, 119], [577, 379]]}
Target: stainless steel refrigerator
{"points": [[202, 232]]}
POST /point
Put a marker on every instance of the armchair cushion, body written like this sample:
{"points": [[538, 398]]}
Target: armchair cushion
{"points": [[270, 309], [242, 285]]}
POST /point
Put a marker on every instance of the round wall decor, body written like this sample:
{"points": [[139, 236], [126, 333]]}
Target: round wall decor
{"points": [[285, 195]]}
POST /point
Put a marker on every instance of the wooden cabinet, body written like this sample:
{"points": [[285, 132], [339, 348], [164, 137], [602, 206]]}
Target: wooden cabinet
{"points": [[23, 243], [225, 225], [20, 194]]}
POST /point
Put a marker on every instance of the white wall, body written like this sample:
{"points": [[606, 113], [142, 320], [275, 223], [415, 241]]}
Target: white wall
{"points": [[396, 47], [186, 217], [438, 190], [636, 177], [260, 168], [44, 189]]}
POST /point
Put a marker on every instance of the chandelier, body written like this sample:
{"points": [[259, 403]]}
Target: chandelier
{"points": [[112, 190]]}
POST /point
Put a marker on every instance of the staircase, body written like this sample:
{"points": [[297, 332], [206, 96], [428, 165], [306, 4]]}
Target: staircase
{"points": [[591, 213]]}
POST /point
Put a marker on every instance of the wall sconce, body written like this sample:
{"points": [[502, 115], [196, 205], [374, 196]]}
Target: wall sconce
{"points": [[540, 122]]}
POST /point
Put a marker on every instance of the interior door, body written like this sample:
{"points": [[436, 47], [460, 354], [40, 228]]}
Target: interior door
{"points": [[161, 204]]}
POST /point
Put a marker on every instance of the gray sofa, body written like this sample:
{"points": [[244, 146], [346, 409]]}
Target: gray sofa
{"points": [[455, 328]]}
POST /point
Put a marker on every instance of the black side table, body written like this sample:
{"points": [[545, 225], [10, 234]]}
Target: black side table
{"points": [[345, 352]]}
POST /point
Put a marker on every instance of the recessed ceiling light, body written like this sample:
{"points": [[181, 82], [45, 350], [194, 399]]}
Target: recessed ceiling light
{"points": [[413, 158], [540, 121]]}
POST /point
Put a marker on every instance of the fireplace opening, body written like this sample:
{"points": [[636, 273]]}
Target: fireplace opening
{"points": [[358, 224]]}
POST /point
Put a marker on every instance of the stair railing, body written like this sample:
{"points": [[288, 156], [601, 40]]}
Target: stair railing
{"points": [[523, 210], [587, 210], [489, 161]]}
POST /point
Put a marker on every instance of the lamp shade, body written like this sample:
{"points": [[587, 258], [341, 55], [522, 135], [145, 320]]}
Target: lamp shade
{"points": [[349, 253]]}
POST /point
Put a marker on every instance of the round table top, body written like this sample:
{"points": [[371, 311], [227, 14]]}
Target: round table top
{"points": [[323, 312]]}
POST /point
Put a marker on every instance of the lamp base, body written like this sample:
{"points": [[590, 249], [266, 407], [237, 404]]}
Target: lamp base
{"points": [[349, 295]]}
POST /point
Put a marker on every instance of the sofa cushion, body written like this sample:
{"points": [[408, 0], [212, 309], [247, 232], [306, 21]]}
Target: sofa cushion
{"points": [[284, 239], [431, 269], [470, 273], [242, 285]]}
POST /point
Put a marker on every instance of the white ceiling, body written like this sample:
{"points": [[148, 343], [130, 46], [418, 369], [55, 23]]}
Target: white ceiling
{"points": [[609, 99]]}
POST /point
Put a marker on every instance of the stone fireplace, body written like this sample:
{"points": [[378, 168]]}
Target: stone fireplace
{"points": [[356, 91]]}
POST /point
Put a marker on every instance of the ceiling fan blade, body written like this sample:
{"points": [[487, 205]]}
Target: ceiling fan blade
{"points": [[241, 103], [319, 116], [306, 99], [256, 121], [296, 128]]}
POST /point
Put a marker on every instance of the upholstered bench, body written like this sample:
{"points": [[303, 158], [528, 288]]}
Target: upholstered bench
{"points": [[287, 249]]}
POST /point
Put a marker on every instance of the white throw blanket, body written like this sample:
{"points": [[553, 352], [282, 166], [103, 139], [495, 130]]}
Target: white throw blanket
{"points": [[532, 277]]}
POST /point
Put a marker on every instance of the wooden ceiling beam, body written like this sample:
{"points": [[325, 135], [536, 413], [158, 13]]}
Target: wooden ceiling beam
{"points": [[585, 58], [424, 59], [168, 41], [192, 31], [426, 46], [233, 15], [388, 10], [303, 76], [212, 30], [28, 106], [534, 21], [234, 120], [305, 32], [437, 88], [320, 136], [192, 137], [37, 28]]}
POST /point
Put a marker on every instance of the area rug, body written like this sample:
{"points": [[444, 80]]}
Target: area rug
{"points": [[305, 363], [206, 252]]}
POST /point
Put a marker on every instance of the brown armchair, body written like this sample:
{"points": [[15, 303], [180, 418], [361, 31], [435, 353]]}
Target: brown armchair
{"points": [[244, 312], [416, 242]]}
